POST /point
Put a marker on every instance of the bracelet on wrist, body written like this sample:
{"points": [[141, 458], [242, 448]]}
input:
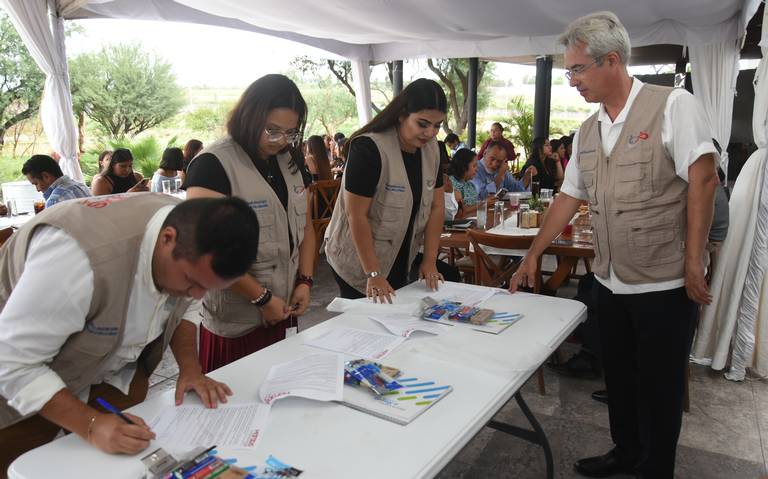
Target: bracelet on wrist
{"points": [[90, 428], [372, 274], [304, 279], [263, 298]]}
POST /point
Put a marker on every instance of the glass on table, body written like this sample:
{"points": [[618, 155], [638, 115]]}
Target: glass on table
{"points": [[514, 201], [166, 187], [176, 185], [38, 206]]}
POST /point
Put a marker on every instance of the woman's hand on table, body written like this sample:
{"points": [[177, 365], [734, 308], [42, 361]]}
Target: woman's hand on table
{"points": [[379, 290], [428, 272]]}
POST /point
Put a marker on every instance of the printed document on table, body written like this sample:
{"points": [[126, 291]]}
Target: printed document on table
{"points": [[405, 324], [317, 376], [357, 342], [180, 428]]}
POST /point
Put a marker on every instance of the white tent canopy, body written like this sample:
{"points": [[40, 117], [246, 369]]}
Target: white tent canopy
{"points": [[384, 30]]}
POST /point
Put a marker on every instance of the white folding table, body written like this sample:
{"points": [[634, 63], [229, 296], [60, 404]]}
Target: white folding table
{"points": [[329, 440]]}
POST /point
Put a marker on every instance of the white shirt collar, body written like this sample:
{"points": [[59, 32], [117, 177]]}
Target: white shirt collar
{"points": [[602, 115], [144, 272]]}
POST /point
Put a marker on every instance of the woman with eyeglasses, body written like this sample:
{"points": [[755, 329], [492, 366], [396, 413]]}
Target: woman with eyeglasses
{"points": [[260, 161], [392, 202]]}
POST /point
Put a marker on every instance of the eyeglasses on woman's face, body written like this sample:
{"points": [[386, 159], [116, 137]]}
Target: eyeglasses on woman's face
{"points": [[275, 135]]}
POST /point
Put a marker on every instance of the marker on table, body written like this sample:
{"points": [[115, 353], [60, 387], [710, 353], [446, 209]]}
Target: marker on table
{"points": [[114, 410]]}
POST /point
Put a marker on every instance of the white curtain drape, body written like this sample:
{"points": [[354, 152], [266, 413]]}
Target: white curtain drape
{"points": [[44, 38], [738, 315], [714, 69], [361, 76]]}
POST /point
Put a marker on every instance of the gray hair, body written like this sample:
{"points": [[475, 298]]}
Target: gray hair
{"points": [[601, 32]]}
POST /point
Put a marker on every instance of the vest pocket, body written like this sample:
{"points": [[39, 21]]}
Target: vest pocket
{"points": [[300, 209], [266, 226], [634, 174], [588, 170], [656, 244]]}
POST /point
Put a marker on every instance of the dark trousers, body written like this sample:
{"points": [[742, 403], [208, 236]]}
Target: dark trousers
{"points": [[646, 339]]}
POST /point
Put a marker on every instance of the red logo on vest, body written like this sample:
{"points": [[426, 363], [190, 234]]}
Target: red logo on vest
{"points": [[102, 201], [643, 135]]}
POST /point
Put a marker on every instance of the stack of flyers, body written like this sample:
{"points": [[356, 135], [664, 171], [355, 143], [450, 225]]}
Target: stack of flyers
{"points": [[379, 378]]}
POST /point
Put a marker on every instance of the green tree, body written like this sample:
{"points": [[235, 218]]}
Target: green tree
{"points": [[454, 76], [317, 71], [328, 108], [124, 89], [21, 81], [522, 121], [208, 118]]}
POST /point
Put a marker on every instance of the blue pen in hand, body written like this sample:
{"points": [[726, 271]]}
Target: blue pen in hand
{"points": [[114, 410]]}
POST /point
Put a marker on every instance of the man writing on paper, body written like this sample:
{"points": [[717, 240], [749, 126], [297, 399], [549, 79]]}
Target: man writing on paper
{"points": [[91, 294], [646, 164]]}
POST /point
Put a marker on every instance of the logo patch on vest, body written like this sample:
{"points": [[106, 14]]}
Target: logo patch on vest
{"points": [[298, 189], [394, 188], [101, 330], [634, 139], [259, 204], [586, 152], [430, 184], [101, 202]]}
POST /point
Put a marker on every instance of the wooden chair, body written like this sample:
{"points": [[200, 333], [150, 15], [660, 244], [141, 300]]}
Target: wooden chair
{"points": [[321, 200], [496, 270]]}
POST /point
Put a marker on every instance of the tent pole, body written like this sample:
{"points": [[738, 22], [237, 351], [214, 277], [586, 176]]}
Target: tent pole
{"points": [[474, 64], [397, 77], [543, 96]]}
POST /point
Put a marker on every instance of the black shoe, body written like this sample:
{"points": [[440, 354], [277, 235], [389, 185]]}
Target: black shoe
{"points": [[600, 396], [602, 466], [580, 365]]}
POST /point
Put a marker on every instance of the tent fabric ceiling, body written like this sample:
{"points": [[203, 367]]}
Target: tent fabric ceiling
{"points": [[383, 30]]}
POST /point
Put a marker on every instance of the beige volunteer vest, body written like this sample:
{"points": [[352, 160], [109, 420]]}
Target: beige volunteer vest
{"points": [[110, 230], [389, 212], [225, 312], [638, 202]]}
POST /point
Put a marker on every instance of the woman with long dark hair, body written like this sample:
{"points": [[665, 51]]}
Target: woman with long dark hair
{"points": [[549, 170], [260, 161], [119, 176], [392, 201], [317, 159]]}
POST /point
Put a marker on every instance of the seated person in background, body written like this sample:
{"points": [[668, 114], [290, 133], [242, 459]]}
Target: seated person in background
{"points": [[191, 149], [43, 172], [493, 174], [105, 332], [567, 142], [317, 159], [104, 158], [543, 166], [454, 143], [337, 167], [119, 176], [463, 168], [171, 166]]}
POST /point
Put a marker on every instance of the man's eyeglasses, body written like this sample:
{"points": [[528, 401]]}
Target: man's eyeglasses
{"points": [[274, 135], [579, 69]]}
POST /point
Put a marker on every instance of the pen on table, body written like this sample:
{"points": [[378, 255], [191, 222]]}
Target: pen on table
{"points": [[114, 410]]}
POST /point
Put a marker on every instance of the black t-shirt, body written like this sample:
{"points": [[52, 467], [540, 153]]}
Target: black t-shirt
{"points": [[206, 172], [361, 176]]}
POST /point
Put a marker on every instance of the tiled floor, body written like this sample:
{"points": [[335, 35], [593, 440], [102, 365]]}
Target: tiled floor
{"points": [[725, 435]]}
